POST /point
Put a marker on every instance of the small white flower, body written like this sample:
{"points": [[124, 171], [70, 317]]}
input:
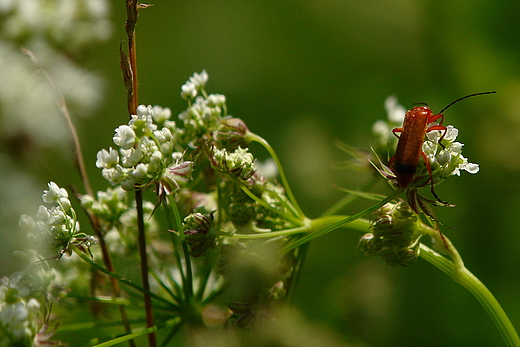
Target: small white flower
{"points": [[199, 80], [112, 174], [143, 121], [107, 159], [128, 183], [43, 214], [433, 136], [54, 193], [33, 305], [395, 111], [131, 156], [472, 168], [163, 135], [65, 204], [140, 171], [451, 133], [443, 157], [143, 111], [177, 156], [124, 137], [160, 114], [381, 129], [27, 223], [216, 100], [155, 161], [267, 168], [455, 147], [188, 91]]}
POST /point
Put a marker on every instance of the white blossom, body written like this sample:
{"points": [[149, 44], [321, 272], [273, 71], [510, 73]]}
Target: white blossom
{"points": [[107, 159], [124, 137], [54, 193]]}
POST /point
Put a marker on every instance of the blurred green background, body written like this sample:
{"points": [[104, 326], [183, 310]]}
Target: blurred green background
{"points": [[302, 73]]}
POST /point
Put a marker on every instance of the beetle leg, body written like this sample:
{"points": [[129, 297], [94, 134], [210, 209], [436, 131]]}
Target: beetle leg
{"points": [[440, 128], [428, 167], [435, 117], [397, 130]]}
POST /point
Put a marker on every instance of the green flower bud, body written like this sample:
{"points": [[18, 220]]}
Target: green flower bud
{"points": [[239, 163], [394, 236], [232, 134], [196, 228]]}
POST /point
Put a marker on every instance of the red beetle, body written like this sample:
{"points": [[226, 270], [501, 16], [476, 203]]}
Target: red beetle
{"points": [[417, 122]]}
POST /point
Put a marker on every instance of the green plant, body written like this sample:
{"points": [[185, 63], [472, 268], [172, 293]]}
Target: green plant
{"points": [[218, 239]]}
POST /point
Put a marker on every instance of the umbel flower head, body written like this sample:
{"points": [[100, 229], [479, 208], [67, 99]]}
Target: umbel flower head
{"points": [[57, 224], [19, 313], [239, 163], [144, 150], [147, 148]]}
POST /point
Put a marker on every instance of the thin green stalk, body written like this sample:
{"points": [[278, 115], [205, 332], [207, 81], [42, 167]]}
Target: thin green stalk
{"points": [[123, 280], [466, 279], [259, 201], [188, 280], [149, 330], [283, 178], [348, 199], [323, 227], [459, 274]]}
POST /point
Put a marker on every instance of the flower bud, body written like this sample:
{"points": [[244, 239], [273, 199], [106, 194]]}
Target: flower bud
{"points": [[196, 228], [394, 235], [232, 134], [239, 163]]}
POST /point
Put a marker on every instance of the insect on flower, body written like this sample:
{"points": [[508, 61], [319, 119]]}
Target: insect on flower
{"points": [[417, 123]]}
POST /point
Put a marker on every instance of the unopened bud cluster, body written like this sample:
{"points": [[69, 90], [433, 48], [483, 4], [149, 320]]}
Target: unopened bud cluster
{"points": [[239, 163], [196, 228], [394, 235]]}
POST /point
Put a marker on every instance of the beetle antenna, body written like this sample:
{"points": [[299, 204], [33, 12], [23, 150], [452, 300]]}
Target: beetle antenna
{"points": [[465, 97]]}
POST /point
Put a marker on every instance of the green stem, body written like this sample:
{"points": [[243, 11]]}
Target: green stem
{"points": [[348, 199], [323, 227], [295, 220], [283, 178], [459, 274], [188, 280], [123, 280], [466, 279]]}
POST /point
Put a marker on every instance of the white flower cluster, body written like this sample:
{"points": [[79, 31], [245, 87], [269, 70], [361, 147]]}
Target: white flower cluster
{"points": [[150, 143], [382, 129], [194, 85], [239, 163], [68, 22], [56, 225], [204, 111], [145, 152], [18, 313], [108, 206], [446, 160]]}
